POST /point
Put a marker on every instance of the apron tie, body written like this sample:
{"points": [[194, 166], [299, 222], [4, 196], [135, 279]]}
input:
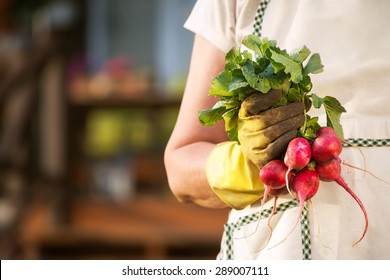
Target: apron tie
{"points": [[361, 142], [259, 17], [227, 250]]}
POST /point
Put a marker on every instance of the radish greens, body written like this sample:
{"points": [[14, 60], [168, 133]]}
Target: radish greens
{"points": [[257, 69]]}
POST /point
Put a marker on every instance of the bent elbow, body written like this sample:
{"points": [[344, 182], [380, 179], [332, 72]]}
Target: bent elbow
{"points": [[173, 176], [179, 194]]}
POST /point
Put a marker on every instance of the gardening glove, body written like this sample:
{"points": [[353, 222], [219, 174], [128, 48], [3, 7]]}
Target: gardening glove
{"points": [[232, 169], [265, 133], [233, 177]]}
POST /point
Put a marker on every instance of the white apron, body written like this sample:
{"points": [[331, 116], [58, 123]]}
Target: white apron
{"points": [[357, 71]]}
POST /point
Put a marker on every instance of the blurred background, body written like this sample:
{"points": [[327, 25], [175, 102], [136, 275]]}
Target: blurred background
{"points": [[89, 94]]}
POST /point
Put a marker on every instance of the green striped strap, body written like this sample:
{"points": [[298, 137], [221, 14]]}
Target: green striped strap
{"points": [[227, 251], [362, 142], [257, 25]]}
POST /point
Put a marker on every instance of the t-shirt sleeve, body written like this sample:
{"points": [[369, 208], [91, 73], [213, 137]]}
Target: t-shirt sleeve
{"points": [[214, 20]]}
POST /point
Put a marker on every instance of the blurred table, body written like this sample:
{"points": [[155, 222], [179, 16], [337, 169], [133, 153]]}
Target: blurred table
{"points": [[144, 228]]}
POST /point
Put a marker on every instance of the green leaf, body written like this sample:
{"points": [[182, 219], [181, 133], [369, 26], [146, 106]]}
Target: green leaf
{"points": [[266, 46], [312, 121], [311, 127], [333, 110], [235, 59], [231, 59], [317, 101], [220, 84], [230, 118], [306, 85], [279, 82], [334, 122], [230, 102], [233, 53], [300, 55], [237, 83], [294, 95], [233, 134], [281, 102], [248, 70], [291, 67], [244, 93], [256, 81], [277, 67], [314, 65], [253, 43], [210, 117]]}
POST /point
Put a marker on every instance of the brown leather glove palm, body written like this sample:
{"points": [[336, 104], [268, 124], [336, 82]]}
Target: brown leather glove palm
{"points": [[265, 133]]}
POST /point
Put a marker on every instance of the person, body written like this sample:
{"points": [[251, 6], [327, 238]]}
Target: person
{"points": [[204, 167]]}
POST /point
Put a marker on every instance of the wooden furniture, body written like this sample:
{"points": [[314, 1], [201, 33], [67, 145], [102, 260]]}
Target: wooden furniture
{"points": [[150, 225], [144, 228]]}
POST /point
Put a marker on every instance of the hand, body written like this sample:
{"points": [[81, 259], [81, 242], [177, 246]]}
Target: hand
{"points": [[265, 133]]}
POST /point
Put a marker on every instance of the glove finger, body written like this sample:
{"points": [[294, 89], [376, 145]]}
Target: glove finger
{"points": [[258, 102], [271, 117], [274, 150], [261, 139]]}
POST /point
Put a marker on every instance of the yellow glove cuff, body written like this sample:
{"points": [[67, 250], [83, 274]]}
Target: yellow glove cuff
{"points": [[232, 177]]}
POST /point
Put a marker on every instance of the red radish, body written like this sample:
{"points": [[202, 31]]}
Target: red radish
{"points": [[276, 196], [298, 155], [278, 192], [330, 171], [326, 147], [326, 130], [273, 176], [305, 185]]}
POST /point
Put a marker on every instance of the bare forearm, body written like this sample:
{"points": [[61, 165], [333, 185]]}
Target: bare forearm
{"points": [[190, 143], [186, 174]]}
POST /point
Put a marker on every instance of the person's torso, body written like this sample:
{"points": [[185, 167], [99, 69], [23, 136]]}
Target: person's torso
{"points": [[354, 43]]}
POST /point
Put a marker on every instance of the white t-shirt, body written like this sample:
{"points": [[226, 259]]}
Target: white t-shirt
{"points": [[351, 36], [224, 23], [353, 39]]}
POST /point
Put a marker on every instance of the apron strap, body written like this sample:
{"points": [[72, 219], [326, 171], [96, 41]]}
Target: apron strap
{"points": [[361, 142], [305, 235], [227, 250], [257, 25]]}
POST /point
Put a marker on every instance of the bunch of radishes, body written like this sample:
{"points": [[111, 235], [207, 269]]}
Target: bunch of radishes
{"points": [[306, 163]]}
